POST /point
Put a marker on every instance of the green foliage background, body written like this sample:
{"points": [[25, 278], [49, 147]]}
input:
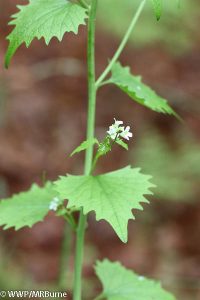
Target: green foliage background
{"points": [[174, 30], [175, 168]]}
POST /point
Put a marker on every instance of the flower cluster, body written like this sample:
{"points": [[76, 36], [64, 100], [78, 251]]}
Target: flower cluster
{"points": [[54, 204], [116, 130]]}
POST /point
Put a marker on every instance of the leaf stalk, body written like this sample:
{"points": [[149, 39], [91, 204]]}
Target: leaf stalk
{"points": [[122, 45]]}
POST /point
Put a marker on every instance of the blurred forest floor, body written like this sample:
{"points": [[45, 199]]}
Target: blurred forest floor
{"points": [[43, 106]]}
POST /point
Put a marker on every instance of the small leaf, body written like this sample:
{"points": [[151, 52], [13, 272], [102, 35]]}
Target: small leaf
{"points": [[122, 144], [157, 6], [84, 145], [104, 147], [120, 283], [43, 18], [138, 91], [112, 195], [26, 208]]}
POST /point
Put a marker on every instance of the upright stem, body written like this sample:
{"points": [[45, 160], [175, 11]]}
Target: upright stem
{"points": [[122, 45], [91, 85], [89, 151], [65, 255]]}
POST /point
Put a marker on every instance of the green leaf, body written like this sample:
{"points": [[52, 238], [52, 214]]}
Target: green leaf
{"points": [[120, 283], [122, 144], [43, 18], [138, 91], [112, 195], [104, 147], [157, 6], [84, 145], [26, 208]]}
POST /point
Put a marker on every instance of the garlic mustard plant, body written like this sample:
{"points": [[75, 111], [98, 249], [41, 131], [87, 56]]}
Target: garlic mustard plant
{"points": [[112, 196]]}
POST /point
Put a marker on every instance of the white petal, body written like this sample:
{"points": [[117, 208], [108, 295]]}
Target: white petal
{"points": [[118, 122], [53, 206], [55, 199], [126, 138], [127, 128]]}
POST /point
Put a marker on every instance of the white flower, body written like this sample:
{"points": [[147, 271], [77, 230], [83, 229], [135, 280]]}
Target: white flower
{"points": [[141, 278], [113, 131], [54, 204], [115, 128], [126, 134]]}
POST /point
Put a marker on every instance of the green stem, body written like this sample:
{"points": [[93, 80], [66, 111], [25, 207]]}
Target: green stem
{"points": [[65, 254], [94, 162], [83, 3], [91, 85], [122, 45], [71, 221], [89, 151]]}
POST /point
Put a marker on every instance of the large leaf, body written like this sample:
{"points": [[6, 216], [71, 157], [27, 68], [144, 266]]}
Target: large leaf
{"points": [[112, 196], [137, 90], [43, 18], [123, 284], [157, 6], [26, 208]]}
